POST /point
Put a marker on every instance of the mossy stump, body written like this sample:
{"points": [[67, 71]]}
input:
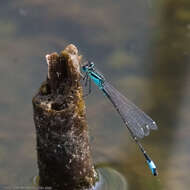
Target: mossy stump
{"points": [[64, 158]]}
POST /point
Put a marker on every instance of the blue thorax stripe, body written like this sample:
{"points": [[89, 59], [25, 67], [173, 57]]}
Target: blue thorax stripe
{"points": [[95, 75]]}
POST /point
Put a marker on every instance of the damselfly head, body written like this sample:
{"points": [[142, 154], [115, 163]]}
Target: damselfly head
{"points": [[87, 65]]}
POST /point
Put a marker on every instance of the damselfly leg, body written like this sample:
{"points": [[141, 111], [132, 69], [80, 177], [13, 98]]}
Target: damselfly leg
{"points": [[87, 82]]}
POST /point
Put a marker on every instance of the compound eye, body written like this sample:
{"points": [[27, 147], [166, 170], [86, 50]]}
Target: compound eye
{"points": [[84, 68]]}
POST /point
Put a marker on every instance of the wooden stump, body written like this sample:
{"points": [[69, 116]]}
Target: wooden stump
{"points": [[64, 158]]}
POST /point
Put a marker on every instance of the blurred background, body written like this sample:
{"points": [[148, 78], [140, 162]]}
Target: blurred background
{"points": [[143, 49]]}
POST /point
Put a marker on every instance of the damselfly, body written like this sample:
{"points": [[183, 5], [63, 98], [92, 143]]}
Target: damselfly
{"points": [[138, 123]]}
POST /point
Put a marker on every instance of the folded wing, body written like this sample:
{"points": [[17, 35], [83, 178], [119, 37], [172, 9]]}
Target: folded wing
{"points": [[138, 123]]}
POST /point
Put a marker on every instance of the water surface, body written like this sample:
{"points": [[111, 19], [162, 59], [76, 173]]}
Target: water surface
{"points": [[142, 47]]}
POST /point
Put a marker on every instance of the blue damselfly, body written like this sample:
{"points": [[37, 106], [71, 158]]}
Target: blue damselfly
{"points": [[138, 123]]}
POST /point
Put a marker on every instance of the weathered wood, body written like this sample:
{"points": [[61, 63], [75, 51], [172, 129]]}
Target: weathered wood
{"points": [[64, 158]]}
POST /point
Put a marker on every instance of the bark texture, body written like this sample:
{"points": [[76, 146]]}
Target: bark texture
{"points": [[64, 158]]}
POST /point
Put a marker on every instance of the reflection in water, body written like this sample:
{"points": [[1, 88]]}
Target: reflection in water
{"points": [[110, 179]]}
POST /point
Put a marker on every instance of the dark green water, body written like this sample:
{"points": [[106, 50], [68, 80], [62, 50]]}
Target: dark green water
{"points": [[142, 47]]}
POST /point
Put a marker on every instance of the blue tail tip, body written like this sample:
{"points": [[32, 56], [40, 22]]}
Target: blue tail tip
{"points": [[154, 172], [152, 167]]}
